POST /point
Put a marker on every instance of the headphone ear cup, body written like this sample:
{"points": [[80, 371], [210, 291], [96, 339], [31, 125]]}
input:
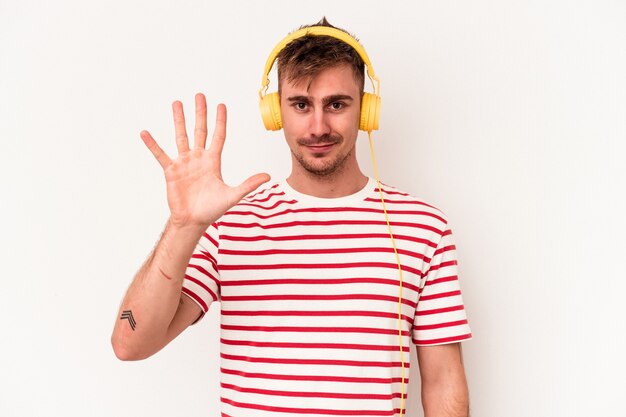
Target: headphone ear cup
{"points": [[370, 112], [270, 111]]}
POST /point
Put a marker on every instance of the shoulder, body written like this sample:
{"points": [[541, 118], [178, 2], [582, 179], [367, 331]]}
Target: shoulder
{"points": [[405, 201]]}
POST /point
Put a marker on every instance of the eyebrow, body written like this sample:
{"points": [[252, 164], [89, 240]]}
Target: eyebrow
{"points": [[325, 100]]}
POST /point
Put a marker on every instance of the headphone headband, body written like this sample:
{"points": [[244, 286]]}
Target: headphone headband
{"points": [[319, 31], [269, 104]]}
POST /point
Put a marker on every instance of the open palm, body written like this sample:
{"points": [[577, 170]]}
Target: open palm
{"points": [[196, 192]]}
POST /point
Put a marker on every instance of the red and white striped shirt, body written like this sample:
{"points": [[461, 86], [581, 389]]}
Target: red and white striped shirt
{"points": [[309, 299]]}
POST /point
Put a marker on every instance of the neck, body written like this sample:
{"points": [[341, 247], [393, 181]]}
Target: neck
{"points": [[341, 183]]}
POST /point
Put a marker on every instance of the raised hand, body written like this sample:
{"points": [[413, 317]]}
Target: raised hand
{"points": [[196, 193]]}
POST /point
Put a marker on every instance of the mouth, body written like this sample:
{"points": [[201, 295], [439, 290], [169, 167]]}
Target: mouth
{"points": [[320, 148]]}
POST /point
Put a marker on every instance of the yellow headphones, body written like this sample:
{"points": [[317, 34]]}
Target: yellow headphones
{"points": [[270, 103]]}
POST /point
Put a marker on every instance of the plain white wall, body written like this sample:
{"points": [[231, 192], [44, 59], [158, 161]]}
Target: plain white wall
{"points": [[509, 116]]}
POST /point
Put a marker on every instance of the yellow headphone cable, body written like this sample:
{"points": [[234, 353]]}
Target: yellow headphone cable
{"points": [[395, 250]]}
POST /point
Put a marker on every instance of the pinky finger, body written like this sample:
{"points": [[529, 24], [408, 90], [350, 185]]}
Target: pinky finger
{"points": [[156, 150]]}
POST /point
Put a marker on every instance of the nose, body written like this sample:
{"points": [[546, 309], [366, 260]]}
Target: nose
{"points": [[319, 124]]}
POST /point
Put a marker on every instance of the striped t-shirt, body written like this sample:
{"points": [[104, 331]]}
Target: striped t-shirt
{"points": [[308, 290]]}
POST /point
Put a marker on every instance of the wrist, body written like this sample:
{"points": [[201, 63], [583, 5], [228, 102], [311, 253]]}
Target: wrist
{"points": [[175, 248], [186, 228]]}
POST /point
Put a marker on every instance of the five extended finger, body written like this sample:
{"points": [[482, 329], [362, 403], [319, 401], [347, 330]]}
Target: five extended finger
{"points": [[200, 132], [182, 142], [156, 150]]}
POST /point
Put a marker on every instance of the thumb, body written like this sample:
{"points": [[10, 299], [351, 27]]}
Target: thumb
{"points": [[250, 185]]}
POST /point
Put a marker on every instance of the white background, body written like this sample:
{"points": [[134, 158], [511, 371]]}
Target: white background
{"points": [[507, 115]]}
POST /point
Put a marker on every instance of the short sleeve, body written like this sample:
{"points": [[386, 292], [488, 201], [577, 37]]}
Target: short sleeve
{"points": [[440, 316], [202, 279]]}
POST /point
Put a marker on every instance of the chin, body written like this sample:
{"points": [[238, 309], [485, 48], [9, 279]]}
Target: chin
{"points": [[323, 169]]}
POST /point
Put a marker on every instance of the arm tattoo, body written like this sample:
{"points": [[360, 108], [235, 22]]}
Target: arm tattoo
{"points": [[128, 315]]}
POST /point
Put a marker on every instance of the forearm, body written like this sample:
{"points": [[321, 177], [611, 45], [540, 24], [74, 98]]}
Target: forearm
{"points": [[153, 297], [446, 398], [444, 386]]}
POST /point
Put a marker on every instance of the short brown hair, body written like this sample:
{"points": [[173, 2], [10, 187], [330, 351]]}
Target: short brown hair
{"points": [[305, 57]]}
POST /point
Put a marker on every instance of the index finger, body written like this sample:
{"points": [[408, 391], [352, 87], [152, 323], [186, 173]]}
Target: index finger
{"points": [[219, 134]]}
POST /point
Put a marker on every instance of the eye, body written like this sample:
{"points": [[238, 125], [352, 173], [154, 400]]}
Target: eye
{"points": [[300, 105], [338, 105]]}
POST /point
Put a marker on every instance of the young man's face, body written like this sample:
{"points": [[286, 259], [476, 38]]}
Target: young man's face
{"points": [[321, 120]]}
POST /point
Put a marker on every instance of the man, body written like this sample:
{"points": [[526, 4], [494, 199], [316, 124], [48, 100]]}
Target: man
{"points": [[304, 269]]}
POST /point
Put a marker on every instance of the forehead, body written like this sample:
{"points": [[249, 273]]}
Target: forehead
{"points": [[334, 80]]}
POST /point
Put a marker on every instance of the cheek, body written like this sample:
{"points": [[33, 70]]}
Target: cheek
{"points": [[350, 123], [289, 129], [290, 132], [290, 120], [356, 117]]}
